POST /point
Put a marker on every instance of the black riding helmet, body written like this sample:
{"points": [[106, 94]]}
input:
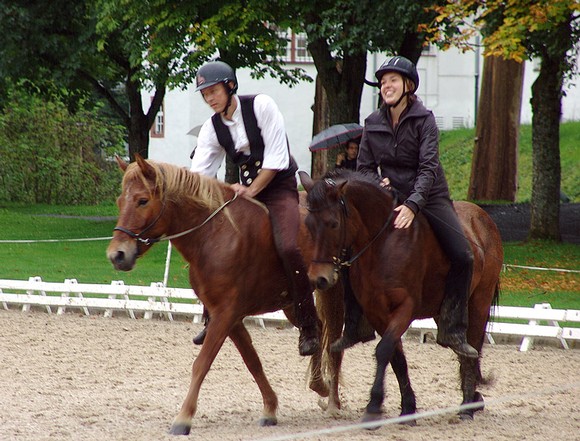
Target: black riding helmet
{"points": [[216, 72], [402, 65]]}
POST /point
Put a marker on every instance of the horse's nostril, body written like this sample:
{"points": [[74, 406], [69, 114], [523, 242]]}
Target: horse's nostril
{"points": [[119, 257], [322, 283]]}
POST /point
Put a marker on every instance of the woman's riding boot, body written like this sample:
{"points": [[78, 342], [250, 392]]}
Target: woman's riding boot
{"points": [[357, 329], [452, 326], [309, 326], [199, 338]]}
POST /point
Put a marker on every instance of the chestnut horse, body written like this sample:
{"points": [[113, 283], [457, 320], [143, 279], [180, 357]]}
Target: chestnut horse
{"points": [[398, 275], [233, 268]]}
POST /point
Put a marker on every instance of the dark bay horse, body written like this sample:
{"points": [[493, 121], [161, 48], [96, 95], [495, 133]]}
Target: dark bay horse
{"points": [[233, 268], [398, 275]]}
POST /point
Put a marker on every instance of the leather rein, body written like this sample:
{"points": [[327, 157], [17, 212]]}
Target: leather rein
{"points": [[341, 261]]}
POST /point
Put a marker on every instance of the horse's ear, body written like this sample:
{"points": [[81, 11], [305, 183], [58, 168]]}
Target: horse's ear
{"points": [[145, 167], [306, 181], [122, 164], [340, 187]]}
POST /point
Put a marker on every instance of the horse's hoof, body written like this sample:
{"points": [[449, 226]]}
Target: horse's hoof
{"points": [[320, 387], [267, 421], [466, 416], [180, 429], [369, 417], [411, 422]]}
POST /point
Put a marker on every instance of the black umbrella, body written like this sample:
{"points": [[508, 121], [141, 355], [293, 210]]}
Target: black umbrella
{"points": [[335, 135]]}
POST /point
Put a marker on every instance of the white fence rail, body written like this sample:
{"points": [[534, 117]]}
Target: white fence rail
{"points": [[539, 322], [119, 297], [542, 322]]}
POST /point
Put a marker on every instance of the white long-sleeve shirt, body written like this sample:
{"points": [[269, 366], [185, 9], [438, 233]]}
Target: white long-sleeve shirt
{"points": [[209, 154]]}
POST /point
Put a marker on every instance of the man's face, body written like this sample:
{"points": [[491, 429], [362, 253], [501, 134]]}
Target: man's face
{"points": [[352, 150], [216, 96]]}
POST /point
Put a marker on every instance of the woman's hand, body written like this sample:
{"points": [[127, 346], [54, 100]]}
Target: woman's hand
{"points": [[405, 217]]}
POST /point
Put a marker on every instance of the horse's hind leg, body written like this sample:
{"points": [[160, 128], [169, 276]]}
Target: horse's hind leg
{"points": [[401, 370], [243, 342], [469, 370]]}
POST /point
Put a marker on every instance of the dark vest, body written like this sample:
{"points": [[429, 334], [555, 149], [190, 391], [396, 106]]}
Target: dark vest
{"points": [[250, 165]]}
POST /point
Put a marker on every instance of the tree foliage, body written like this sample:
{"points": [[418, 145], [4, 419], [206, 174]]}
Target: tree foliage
{"points": [[120, 47], [520, 30], [52, 156], [515, 29]]}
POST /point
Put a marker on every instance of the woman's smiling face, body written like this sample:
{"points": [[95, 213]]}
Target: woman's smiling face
{"points": [[392, 87]]}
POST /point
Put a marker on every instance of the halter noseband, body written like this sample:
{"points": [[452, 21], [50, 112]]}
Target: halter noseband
{"points": [[138, 236]]}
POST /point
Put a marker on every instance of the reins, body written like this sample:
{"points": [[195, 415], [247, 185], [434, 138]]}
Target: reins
{"points": [[367, 246], [151, 241], [339, 261]]}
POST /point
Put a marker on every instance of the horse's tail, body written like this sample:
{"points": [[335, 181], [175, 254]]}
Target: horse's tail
{"points": [[494, 303], [488, 379], [324, 368]]}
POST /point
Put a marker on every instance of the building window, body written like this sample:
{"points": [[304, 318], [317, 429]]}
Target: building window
{"points": [[158, 127], [429, 51], [296, 51]]}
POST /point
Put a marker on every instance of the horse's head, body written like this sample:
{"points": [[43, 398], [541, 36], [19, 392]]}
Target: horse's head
{"points": [[326, 223], [140, 213]]}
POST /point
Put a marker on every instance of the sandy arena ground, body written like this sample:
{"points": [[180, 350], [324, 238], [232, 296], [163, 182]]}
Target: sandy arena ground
{"points": [[81, 378]]}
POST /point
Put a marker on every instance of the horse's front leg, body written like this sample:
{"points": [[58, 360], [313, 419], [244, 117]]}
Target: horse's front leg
{"points": [[398, 321], [241, 338], [383, 353], [217, 331]]}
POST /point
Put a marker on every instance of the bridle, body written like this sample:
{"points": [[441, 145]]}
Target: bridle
{"points": [[341, 260], [150, 241]]}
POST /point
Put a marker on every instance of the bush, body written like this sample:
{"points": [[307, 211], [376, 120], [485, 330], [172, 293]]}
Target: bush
{"points": [[50, 155]]}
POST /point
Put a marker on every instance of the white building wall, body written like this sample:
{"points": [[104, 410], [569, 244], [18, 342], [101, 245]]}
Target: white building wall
{"points": [[447, 86]]}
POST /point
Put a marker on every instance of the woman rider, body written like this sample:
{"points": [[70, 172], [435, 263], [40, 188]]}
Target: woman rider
{"points": [[401, 142]]}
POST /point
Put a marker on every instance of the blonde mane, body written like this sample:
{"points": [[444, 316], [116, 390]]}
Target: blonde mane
{"points": [[177, 184]]}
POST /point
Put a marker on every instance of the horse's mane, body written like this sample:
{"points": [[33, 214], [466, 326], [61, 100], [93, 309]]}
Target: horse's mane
{"points": [[177, 184], [345, 174], [318, 194]]}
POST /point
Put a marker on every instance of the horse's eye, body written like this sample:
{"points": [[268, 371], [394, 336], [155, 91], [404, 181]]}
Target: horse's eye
{"points": [[333, 224], [142, 202]]}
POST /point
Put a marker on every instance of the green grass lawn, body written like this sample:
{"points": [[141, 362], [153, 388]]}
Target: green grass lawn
{"points": [[84, 261], [456, 148], [526, 287]]}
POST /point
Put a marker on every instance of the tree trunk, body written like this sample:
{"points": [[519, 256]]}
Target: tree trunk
{"points": [[342, 82], [546, 173], [321, 120], [494, 161], [139, 123]]}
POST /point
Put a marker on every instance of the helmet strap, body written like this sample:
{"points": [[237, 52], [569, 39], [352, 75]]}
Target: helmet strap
{"points": [[405, 93], [230, 92]]}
